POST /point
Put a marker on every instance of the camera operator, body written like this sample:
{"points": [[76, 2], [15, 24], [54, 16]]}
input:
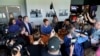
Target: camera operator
{"points": [[11, 38], [3, 33], [3, 29], [17, 38], [36, 44], [21, 40]]}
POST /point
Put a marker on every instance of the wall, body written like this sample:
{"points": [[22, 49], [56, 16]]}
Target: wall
{"points": [[77, 2], [44, 5], [98, 13], [20, 3], [27, 5]]}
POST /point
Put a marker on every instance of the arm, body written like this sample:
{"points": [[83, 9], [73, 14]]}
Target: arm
{"points": [[61, 41], [91, 20], [42, 30], [71, 50], [10, 29], [95, 38], [28, 53], [82, 38], [85, 17], [31, 30]]}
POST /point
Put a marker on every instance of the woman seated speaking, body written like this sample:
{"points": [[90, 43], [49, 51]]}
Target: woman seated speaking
{"points": [[13, 28], [46, 28]]}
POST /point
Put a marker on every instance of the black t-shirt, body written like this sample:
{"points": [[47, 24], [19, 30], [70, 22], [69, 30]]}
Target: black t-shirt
{"points": [[44, 52], [35, 50]]}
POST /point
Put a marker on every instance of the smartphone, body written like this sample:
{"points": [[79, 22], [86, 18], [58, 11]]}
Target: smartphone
{"points": [[73, 40]]}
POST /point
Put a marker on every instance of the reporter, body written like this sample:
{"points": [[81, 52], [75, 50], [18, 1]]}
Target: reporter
{"points": [[67, 41], [96, 35], [54, 21], [36, 44], [73, 43], [66, 23]]}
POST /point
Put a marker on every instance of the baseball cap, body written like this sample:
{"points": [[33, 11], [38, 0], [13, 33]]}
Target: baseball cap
{"points": [[53, 44]]}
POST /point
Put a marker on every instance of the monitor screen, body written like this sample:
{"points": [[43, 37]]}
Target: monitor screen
{"points": [[74, 8]]}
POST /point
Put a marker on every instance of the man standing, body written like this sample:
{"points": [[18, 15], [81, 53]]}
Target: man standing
{"points": [[27, 25], [19, 21]]}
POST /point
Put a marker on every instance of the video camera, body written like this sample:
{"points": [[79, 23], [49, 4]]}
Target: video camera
{"points": [[3, 28], [11, 35], [16, 49]]}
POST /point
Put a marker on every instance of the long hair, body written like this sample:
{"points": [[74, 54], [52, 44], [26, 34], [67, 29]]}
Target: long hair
{"points": [[10, 21]]}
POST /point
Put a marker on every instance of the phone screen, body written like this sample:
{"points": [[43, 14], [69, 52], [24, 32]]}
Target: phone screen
{"points": [[73, 40]]}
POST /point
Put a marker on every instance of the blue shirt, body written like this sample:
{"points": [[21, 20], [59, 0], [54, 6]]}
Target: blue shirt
{"points": [[13, 28], [78, 48], [67, 42], [46, 29], [96, 35], [19, 23], [81, 39]]}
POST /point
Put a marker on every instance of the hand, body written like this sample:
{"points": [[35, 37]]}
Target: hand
{"points": [[72, 47], [26, 33], [22, 32], [18, 53], [12, 42], [77, 34], [91, 36], [83, 35], [35, 43], [87, 14], [52, 34]]}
